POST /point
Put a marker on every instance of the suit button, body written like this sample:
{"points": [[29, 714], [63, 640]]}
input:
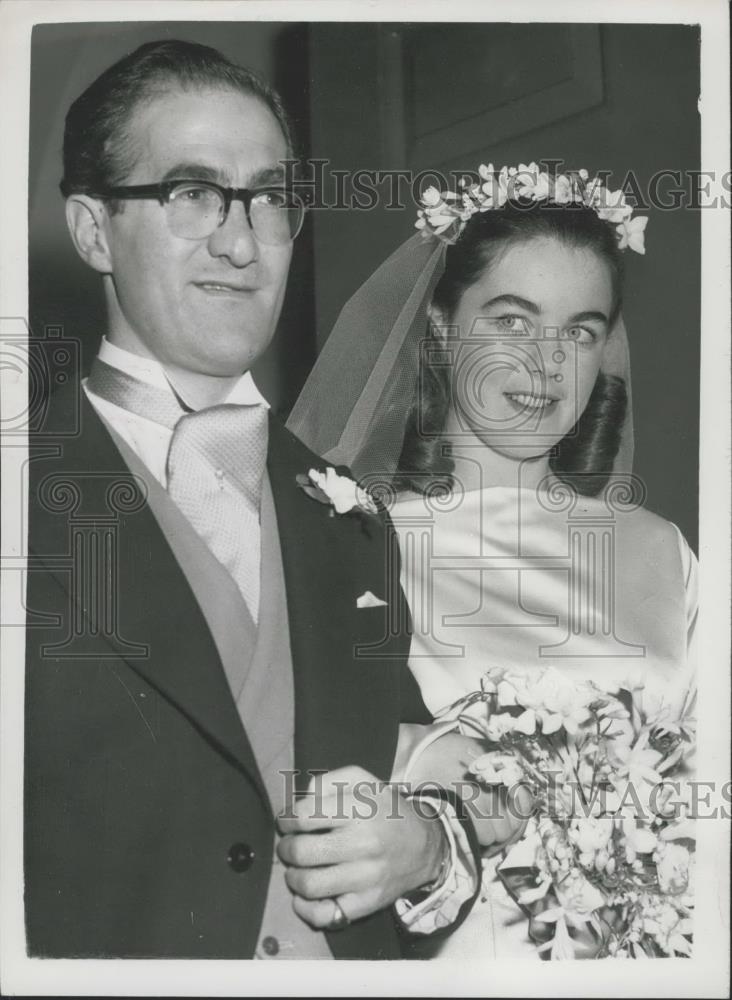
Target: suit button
{"points": [[271, 946], [241, 857]]}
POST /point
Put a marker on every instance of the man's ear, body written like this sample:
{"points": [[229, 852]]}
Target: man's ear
{"points": [[86, 218]]}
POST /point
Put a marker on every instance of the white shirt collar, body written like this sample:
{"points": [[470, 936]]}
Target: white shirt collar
{"points": [[243, 393]]}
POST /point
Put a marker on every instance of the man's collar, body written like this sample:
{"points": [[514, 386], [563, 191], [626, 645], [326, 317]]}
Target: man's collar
{"points": [[244, 392]]}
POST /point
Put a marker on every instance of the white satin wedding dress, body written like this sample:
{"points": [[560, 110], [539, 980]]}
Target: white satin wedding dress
{"points": [[512, 578]]}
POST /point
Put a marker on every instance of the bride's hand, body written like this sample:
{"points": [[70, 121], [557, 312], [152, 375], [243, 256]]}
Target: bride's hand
{"points": [[499, 814]]}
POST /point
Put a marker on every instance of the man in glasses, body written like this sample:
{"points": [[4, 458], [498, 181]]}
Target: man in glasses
{"points": [[201, 662]]}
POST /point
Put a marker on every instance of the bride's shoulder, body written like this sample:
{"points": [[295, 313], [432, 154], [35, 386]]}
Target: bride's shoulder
{"points": [[654, 530], [651, 521]]}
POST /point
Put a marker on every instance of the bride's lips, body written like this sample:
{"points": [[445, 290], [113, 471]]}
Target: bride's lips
{"points": [[532, 401]]}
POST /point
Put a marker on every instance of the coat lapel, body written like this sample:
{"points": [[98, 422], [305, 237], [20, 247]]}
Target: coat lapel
{"points": [[346, 708], [159, 628]]}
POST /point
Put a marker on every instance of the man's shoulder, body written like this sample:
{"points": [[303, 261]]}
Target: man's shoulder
{"points": [[67, 428], [75, 468], [56, 412]]}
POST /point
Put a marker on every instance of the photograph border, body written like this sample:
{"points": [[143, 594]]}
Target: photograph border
{"points": [[704, 975]]}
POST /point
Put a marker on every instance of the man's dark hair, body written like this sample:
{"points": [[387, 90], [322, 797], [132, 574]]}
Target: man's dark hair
{"points": [[98, 148]]}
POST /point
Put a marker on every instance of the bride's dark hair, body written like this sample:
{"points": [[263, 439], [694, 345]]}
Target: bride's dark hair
{"points": [[583, 459]]}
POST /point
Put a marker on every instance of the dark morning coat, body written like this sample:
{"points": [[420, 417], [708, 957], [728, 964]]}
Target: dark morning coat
{"points": [[147, 829]]}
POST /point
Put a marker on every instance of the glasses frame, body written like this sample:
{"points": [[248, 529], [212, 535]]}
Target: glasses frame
{"points": [[162, 191]]}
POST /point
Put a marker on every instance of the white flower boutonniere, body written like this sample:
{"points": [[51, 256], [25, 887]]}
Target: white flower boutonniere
{"points": [[343, 494]]}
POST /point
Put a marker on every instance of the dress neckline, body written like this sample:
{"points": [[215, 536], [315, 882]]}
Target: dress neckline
{"points": [[410, 495]]}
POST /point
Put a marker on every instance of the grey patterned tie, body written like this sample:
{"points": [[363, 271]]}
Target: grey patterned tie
{"points": [[215, 468]]}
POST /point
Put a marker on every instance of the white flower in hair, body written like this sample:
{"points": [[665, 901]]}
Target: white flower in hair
{"points": [[525, 181], [632, 234], [594, 193], [613, 207], [563, 190], [503, 186], [484, 196], [445, 214], [437, 215], [542, 188]]}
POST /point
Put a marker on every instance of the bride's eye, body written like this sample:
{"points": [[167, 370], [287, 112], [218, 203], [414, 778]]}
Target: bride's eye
{"points": [[511, 323], [580, 334]]}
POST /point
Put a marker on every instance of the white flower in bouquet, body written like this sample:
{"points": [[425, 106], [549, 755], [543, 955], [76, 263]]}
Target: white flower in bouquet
{"points": [[666, 926], [590, 834], [637, 762], [666, 712], [673, 867], [605, 864], [552, 699], [635, 839], [675, 804], [578, 896], [497, 769], [498, 726]]}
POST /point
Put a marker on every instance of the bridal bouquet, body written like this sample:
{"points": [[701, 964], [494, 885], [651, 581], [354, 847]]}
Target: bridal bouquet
{"points": [[604, 866]]}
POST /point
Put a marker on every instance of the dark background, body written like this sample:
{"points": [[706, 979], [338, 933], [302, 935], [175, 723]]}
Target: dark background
{"points": [[446, 96]]}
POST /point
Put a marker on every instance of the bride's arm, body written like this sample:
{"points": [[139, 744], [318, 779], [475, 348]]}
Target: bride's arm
{"points": [[439, 754], [690, 571]]}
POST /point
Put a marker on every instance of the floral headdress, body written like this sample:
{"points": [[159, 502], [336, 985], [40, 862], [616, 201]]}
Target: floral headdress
{"points": [[444, 214]]}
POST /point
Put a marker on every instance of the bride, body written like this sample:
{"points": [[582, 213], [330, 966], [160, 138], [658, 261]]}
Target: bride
{"points": [[486, 399]]}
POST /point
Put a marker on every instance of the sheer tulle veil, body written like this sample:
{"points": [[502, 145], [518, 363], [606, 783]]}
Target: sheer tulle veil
{"points": [[353, 408]]}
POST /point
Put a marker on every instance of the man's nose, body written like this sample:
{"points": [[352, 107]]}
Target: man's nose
{"points": [[234, 238]]}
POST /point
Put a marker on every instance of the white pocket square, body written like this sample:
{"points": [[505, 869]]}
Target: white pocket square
{"points": [[369, 600]]}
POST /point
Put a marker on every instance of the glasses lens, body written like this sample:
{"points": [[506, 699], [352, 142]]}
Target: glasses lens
{"points": [[276, 216], [194, 210]]}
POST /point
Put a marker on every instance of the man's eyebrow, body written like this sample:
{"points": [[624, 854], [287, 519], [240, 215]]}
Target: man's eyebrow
{"points": [[188, 171], [274, 174], [513, 300]]}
